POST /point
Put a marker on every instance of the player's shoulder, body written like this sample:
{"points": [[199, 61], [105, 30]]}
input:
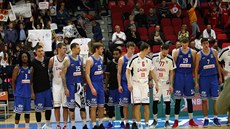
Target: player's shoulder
{"points": [[169, 57], [224, 50], [155, 55], [134, 57]]}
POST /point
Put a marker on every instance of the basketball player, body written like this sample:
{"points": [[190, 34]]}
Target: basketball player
{"points": [[183, 81], [21, 89], [138, 82], [72, 78], [111, 86], [206, 71], [95, 90], [124, 93], [164, 66], [224, 56], [58, 90], [40, 85]]}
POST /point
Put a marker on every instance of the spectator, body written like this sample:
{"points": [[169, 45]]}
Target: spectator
{"points": [[22, 33], [136, 9], [210, 34], [141, 18], [183, 33], [118, 38], [4, 57], [212, 4], [193, 18], [158, 36], [96, 30], [47, 16], [133, 35], [214, 17], [62, 15], [164, 10], [37, 22], [11, 35], [131, 21], [1, 32], [224, 13], [178, 45], [175, 9], [152, 17]]}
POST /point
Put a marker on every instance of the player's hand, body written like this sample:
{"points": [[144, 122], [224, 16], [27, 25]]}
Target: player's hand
{"points": [[120, 89], [67, 92], [225, 73], [33, 96], [106, 90], [94, 92], [157, 88], [130, 87], [196, 85], [171, 89], [151, 84], [220, 80]]}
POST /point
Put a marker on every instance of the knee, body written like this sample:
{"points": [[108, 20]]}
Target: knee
{"points": [[27, 116], [17, 116]]}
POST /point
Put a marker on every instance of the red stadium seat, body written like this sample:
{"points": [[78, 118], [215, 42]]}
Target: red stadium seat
{"points": [[222, 37], [176, 22], [149, 3], [172, 38], [143, 33], [131, 3], [121, 3], [156, 48], [141, 2], [136, 50], [171, 48], [151, 30], [166, 22], [225, 45], [112, 3], [168, 30]]}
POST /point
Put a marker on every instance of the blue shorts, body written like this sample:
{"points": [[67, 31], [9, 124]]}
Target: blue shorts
{"points": [[124, 97], [22, 105], [71, 99], [209, 87], [183, 85], [113, 97], [43, 101], [98, 100]]}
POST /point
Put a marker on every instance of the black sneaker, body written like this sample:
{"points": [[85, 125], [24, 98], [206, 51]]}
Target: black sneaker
{"points": [[154, 124], [73, 127], [134, 125], [95, 127], [167, 125], [101, 126], [85, 127], [127, 126]]}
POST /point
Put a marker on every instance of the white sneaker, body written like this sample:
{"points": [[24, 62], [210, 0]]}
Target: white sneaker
{"points": [[140, 126]]}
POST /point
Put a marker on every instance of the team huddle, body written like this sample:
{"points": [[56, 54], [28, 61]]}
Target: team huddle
{"points": [[129, 79]]}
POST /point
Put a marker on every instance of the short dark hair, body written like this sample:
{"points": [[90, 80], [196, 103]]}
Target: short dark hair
{"points": [[97, 45], [117, 49], [130, 44], [59, 45], [204, 40], [38, 47], [144, 46], [73, 45], [184, 40], [164, 46]]}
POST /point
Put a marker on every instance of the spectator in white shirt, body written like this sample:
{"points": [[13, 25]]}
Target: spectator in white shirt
{"points": [[118, 38], [210, 34]]}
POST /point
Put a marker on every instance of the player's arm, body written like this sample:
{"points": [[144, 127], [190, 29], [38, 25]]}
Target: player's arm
{"points": [[14, 77], [171, 77], [175, 54], [65, 66], [197, 69], [107, 77], [82, 68], [119, 69], [89, 63], [221, 62], [128, 76], [31, 82], [218, 66], [193, 59], [195, 4], [154, 77], [50, 66]]}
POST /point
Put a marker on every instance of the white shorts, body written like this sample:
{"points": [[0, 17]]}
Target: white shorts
{"points": [[59, 97], [140, 93], [163, 91]]}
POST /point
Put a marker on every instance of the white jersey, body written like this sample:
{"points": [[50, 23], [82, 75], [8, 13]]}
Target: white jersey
{"points": [[224, 55], [163, 66], [141, 68], [57, 67]]}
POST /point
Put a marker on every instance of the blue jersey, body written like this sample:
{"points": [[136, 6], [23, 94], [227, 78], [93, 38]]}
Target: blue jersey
{"points": [[184, 61], [22, 87], [74, 71], [123, 70], [96, 71], [207, 64]]}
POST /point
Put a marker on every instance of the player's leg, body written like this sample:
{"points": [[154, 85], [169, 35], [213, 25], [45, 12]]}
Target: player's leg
{"points": [[113, 100], [39, 104], [17, 119], [57, 104], [167, 99], [65, 109], [48, 107], [71, 105], [145, 102], [136, 100], [125, 101], [156, 99], [27, 109], [100, 102], [83, 117], [137, 113], [18, 109]]}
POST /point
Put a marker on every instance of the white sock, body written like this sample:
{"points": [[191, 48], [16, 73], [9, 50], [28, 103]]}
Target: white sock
{"points": [[27, 125], [58, 123], [122, 119], [139, 123], [215, 116], [190, 115], [94, 124], [72, 123], [15, 126], [126, 121], [110, 120], [167, 117], [176, 117], [155, 116], [205, 117], [134, 120], [100, 121], [146, 123], [65, 123], [39, 125], [47, 122], [84, 122]]}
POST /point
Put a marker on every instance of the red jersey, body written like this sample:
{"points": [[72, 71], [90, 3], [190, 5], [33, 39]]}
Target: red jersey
{"points": [[214, 18], [224, 15]]}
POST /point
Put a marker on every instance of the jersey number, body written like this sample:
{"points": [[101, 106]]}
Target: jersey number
{"points": [[208, 61], [162, 63], [185, 60], [78, 68], [26, 76]]}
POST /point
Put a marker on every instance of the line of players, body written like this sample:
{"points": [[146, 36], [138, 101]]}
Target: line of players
{"points": [[134, 77]]}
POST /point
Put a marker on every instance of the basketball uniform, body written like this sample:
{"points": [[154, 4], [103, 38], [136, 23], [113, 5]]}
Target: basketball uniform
{"points": [[59, 96], [73, 79], [22, 93], [225, 56], [208, 80], [162, 68], [183, 81], [124, 97], [96, 76]]}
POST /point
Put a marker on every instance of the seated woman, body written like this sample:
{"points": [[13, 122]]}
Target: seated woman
{"points": [[183, 33]]}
